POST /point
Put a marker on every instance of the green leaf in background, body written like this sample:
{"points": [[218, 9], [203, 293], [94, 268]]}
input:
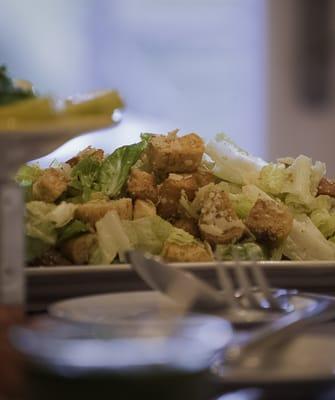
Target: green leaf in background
{"points": [[115, 168], [71, 230], [84, 176], [8, 92]]}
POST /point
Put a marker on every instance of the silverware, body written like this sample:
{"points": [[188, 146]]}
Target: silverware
{"points": [[187, 290], [254, 349], [264, 298], [191, 292]]}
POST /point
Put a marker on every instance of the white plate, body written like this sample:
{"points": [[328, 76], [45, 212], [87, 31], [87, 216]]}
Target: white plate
{"points": [[49, 284], [105, 309]]}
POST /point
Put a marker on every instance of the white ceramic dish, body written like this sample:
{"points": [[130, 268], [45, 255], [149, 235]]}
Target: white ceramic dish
{"points": [[49, 284]]}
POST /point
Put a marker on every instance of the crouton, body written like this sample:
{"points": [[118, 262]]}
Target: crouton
{"points": [[92, 211], [79, 249], [144, 208], [188, 225], [269, 221], [203, 177], [218, 222], [50, 185], [142, 185], [88, 152], [170, 192], [326, 186], [175, 154], [194, 252]]}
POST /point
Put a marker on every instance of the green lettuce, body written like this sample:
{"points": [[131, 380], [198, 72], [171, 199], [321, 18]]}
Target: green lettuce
{"points": [[112, 238], [115, 168], [84, 176], [148, 233], [71, 230], [43, 219], [241, 252], [26, 176], [306, 242], [298, 182], [233, 164], [324, 221]]}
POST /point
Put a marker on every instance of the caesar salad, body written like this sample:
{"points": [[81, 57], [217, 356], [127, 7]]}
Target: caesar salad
{"points": [[179, 198]]}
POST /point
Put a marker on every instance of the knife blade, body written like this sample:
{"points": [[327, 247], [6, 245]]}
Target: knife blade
{"points": [[185, 289]]}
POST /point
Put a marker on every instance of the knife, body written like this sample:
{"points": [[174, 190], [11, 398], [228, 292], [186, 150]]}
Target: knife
{"points": [[185, 289]]}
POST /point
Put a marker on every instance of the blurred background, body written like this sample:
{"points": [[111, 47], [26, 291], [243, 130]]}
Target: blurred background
{"points": [[261, 71]]}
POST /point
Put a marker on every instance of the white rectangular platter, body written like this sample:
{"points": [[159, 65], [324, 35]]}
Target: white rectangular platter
{"points": [[49, 284]]}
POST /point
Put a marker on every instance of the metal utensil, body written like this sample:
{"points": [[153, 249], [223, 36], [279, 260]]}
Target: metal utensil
{"points": [[251, 350], [187, 290], [263, 298]]}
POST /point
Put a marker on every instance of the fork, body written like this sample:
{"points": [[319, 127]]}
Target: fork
{"points": [[252, 349], [260, 297]]}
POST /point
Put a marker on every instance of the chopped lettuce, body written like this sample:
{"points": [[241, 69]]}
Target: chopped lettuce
{"points": [[324, 221], [298, 182], [181, 237], [71, 230], [26, 176], [232, 164], [84, 176], [43, 219], [112, 238], [306, 242], [115, 168], [148, 233], [241, 252], [241, 203]]}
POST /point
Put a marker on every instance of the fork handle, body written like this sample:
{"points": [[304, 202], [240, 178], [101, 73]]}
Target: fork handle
{"points": [[252, 348]]}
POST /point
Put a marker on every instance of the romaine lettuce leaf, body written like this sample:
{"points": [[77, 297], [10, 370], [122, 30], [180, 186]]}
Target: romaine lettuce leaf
{"points": [[324, 221], [232, 164], [115, 168], [71, 230], [148, 233], [241, 251], [84, 176], [306, 242], [112, 238], [43, 219]]}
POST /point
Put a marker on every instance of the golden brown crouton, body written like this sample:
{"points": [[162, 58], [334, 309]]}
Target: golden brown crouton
{"points": [[88, 152], [79, 249], [188, 225], [144, 208], [92, 211], [175, 154], [203, 177], [269, 221], [218, 221], [50, 185], [142, 185], [326, 186], [170, 192], [194, 252]]}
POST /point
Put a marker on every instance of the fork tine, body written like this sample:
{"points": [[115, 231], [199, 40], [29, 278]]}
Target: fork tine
{"points": [[246, 286], [226, 284], [264, 286]]}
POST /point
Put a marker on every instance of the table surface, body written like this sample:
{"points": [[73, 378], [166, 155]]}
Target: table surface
{"points": [[12, 379]]}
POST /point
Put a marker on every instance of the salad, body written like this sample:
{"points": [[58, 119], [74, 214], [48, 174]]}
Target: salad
{"points": [[179, 198]]}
